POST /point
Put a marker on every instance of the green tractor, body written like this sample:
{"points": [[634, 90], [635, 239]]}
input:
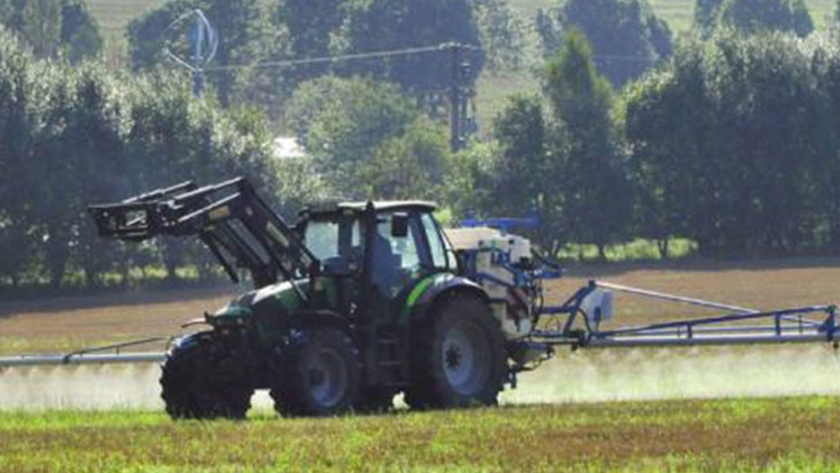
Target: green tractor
{"points": [[353, 304]]}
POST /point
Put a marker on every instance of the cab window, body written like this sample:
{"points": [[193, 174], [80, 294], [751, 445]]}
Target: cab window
{"points": [[329, 238], [436, 245], [395, 259]]}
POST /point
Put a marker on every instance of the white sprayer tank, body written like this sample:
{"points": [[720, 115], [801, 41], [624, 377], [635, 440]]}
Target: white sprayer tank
{"points": [[494, 249]]}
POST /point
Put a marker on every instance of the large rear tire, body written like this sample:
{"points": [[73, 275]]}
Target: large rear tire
{"points": [[192, 387], [315, 372], [458, 357]]}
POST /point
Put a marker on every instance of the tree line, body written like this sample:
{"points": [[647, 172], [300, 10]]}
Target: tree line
{"points": [[734, 144], [71, 136], [728, 137]]}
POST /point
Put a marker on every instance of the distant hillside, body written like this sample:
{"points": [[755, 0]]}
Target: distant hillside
{"points": [[678, 13], [113, 15]]}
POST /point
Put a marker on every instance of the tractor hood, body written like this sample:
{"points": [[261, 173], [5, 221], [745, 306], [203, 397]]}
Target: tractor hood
{"points": [[276, 299]]}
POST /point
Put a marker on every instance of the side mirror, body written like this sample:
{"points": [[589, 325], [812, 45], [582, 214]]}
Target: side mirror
{"points": [[399, 225]]}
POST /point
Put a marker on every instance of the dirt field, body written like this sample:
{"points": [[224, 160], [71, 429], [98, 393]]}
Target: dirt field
{"points": [[64, 324], [70, 323], [773, 284]]}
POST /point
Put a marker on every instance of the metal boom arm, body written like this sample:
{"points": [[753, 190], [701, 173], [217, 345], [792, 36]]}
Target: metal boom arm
{"points": [[235, 223]]}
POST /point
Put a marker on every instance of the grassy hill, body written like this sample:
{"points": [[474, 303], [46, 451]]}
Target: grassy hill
{"points": [[114, 15], [678, 13]]}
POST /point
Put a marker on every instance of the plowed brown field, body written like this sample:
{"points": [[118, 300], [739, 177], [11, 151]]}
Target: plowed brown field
{"points": [[68, 323]]}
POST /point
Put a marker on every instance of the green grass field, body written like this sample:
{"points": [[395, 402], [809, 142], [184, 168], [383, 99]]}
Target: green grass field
{"points": [[721, 435]]}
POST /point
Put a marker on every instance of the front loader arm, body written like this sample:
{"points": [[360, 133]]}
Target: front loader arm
{"points": [[236, 224]]}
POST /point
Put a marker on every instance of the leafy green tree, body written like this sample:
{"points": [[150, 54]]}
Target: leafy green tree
{"points": [[469, 186], [507, 41], [71, 136], [174, 138], [342, 121], [627, 37], [411, 165], [239, 24], [706, 15], [147, 33], [594, 197], [42, 26], [53, 27], [17, 119], [311, 25], [802, 23], [667, 118], [80, 36], [381, 25], [521, 171], [527, 167], [735, 145], [753, 15], [548, 26]]}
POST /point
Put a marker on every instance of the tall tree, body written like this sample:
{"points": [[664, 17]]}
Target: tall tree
{"points": [[735, 144], [42, 26], [706, 15], [80, 36], [753, 15], [17, 120], [522, 176], [595, 199], [627, 37], [53, 27], [311, 25], [378, 25], [508, 43], [341, 122], [411, 165]]}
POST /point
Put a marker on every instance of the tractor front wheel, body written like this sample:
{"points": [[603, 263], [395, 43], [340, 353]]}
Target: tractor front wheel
{"points": [[316, 372], [458, 358], [193, 388]]}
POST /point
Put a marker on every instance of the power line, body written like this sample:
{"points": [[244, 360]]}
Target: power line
{"points": [[382, 55], [339, 58], [616, 57]]}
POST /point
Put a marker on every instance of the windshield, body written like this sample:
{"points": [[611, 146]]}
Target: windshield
{"points": [[330, 238]]}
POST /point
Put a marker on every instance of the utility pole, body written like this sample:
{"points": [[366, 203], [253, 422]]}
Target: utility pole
{"points": [[459, 95], [455, 97], [197, 39]]}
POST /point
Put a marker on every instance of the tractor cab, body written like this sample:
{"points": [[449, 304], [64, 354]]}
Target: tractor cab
{"points": [[384, 247]]}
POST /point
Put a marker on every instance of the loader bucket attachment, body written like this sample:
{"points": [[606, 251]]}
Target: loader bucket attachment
{"points": [[235, 223]]}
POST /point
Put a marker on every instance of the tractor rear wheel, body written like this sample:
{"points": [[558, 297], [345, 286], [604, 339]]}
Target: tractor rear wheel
{"points": [[192, 387], [315, 372], [458, 358]]}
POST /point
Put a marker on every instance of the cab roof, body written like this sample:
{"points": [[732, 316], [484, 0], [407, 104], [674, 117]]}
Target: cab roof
{"points": [[382, 205]]}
